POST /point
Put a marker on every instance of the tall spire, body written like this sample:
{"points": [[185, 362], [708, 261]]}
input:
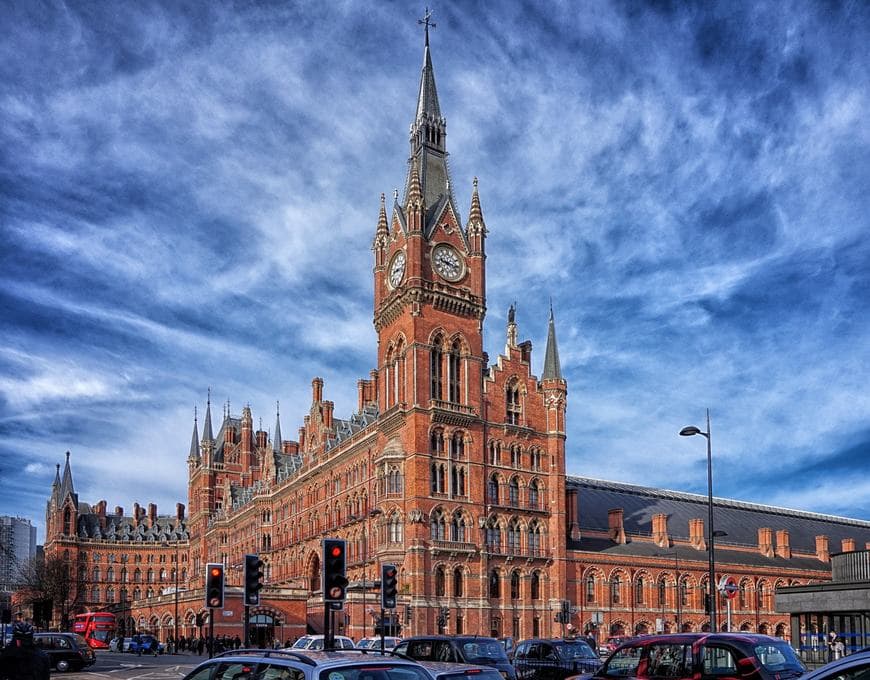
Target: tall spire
{"points": [[429, 138], [55, 485], [552, 367], [194, 440], [207, 434], [277, 444]]}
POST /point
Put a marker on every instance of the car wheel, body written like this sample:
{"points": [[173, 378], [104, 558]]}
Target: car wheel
{"points": [[63, 665]]}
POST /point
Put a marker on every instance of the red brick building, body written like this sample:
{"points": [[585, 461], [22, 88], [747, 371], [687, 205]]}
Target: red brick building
{"points": [[451, 467]]}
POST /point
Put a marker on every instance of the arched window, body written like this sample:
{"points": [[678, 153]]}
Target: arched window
{"points": [[453, 375], [68, 523], [492, 490], [535, 531], [437, 526], [124, 594], [684, 593], [516, 455], [639, 594], [458, 588], [741, 596], [95, 577], [95, 594], [394, 529], [394, 481], [535, 586], [123, 574], [110, 594], [494, 453], [615, 588], [514, 493], [761, 593], [438, 483], [494, 584], [663, 592], [110, 574], [514, 537], [457, 446], [457, 480], [493, 536], [436, 443], [435, 368], [534, 495], [163, 574], [457, 528], [137, 593], [150, 576], [439, 581], [513, 408], [535, 458], [515, 585]]}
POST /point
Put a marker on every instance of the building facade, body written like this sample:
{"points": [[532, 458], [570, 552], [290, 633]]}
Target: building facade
{"points": [[17, 547], [452, 467]]}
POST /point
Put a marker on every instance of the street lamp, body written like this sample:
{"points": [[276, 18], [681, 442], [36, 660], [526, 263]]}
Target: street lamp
{"points": [[688, 432]]}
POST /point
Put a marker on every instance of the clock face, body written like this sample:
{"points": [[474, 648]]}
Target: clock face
{"points": [[447, 262], [397, 269]]}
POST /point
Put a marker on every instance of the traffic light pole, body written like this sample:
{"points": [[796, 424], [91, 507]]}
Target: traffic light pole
{"points": [[247, 627], [327, 627], [383, 626], [210, 633]]}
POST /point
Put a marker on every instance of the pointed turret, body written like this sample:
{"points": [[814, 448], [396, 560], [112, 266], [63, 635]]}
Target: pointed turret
{"points": [[55, 485], [207, 434], [277, 444], [194, 440], [552, 367], [427, 99], [66, 485], [382, 231]]}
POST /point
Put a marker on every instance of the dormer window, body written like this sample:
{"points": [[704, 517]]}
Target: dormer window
{"points": [[513, 405]]}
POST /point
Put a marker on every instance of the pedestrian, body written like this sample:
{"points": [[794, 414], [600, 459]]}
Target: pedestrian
{"points": [[591, 641], [21, 658], [832, 645], [200, 645], [237, 642], [154, 646]]}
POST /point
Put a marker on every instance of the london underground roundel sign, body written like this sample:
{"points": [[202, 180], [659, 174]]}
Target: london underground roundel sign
{"points": [[728, 587]]}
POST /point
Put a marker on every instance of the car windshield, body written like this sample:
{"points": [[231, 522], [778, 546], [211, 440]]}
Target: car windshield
{"points": [[101, 635], [483, 650], [301, 643], [575, 650], [380, 671], [778, 657], [82, 642]]}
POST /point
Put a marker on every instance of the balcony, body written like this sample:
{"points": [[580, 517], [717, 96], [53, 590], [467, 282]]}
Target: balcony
{"points": [[452, 413], [455, 547]]}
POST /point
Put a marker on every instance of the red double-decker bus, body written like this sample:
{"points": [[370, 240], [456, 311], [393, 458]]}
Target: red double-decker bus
{"points": [[95, 627]]}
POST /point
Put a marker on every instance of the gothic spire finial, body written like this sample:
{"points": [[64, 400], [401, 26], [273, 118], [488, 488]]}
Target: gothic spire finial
{"points": [[207, 434], [193, 454], [425, 21], [552, 366]]}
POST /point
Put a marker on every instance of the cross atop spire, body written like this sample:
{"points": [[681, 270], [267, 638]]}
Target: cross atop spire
{"points": [[425, 21], [552, 366]]}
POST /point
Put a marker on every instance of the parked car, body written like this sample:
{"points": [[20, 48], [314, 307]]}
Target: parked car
{"points": [[441, 670], [704, 656], [554, 659], [854, 667], [66, 651], [375, 642], [303, 664], [142, 644], [509, 646], [315, 642], [469, 649]]}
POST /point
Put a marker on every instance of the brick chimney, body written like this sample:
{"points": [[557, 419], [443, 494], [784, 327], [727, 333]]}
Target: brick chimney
{"points": [[136, 514], [291, 447], [696, 534], [317, 390], [822, 551], [328, 408], [615, 527], [765, 542], [848, 545], [660, 530], [262, 439], [783, 549], [179, 512], [373, 374], [101, 514], [302, 434], [119, 511], [152, 514]]}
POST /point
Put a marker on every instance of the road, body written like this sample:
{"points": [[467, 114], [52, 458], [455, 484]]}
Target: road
{"points": [[112, 665]]}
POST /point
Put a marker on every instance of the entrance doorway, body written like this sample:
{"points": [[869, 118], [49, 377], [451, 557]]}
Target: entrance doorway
{"points": [[262, 631]]}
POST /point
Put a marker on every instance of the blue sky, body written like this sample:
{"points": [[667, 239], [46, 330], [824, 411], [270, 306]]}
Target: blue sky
{"points": [[188, 194]]}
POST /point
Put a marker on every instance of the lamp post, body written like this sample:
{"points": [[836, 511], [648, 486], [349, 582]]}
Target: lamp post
{"points": [[175, 619], [688, 432]]}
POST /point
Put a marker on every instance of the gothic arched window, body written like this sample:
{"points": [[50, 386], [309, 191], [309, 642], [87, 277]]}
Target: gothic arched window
{"points": [[494, 584], [457, 528], [663, 586], [457, 582], [437, 482], [435, 368], [457, 446], [494, 453], [394, 529], [590, 588], [439, 581], [437, 526], [514, 537], [457, 480], [534, 493], [639, 594], [535, 547], [513, 407], [493, 536], [514, 493], [515, 585], [453, 373], [535, 585], [492, 490]]}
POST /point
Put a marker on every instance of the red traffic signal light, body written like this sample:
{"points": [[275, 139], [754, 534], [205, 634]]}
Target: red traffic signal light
{"points": [[214, 586], [334, 570], [389, 585]]}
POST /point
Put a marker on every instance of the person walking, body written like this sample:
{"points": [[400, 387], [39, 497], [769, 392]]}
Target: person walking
{"points": [[21, 659]]}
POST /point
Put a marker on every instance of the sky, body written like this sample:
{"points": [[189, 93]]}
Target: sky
{"points": [[189, 192]]}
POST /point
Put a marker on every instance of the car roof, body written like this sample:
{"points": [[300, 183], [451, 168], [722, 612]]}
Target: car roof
{"points": [[318, 658], [831, 668], [450, 667], [449, 637], [746, 638], [580, 640]]}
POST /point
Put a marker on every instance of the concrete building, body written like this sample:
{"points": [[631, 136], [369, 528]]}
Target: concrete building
{"points": [[17, 547]]}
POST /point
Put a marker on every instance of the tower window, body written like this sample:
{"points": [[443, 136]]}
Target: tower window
{"points": [[435, 368], [513, 405], [454, 373]]}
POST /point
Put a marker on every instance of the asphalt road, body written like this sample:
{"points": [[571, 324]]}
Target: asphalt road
{"points": [[131, 667]]}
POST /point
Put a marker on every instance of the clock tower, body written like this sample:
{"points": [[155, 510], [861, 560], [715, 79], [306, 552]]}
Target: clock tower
{"points": [[429, 279]]}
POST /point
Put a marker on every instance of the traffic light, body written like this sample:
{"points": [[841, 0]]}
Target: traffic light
{"points": [[389, 585], [334, 570], [214, 585], [253, 579]]}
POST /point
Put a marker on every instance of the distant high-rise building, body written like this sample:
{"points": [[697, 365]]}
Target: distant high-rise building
{"points": [[17, 547]]}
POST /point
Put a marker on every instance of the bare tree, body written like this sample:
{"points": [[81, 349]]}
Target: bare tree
{"points": [[52, 584]]}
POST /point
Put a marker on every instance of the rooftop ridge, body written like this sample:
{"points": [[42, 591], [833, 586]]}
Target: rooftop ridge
{"points": [[724, 502]]}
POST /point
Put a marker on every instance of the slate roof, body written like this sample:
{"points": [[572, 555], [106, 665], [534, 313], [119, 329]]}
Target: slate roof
{"points": [[166, 528], [345, 429], [741, 521]]}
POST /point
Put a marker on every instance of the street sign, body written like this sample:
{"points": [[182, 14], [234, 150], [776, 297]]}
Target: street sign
{"points": [[728, 587]]}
